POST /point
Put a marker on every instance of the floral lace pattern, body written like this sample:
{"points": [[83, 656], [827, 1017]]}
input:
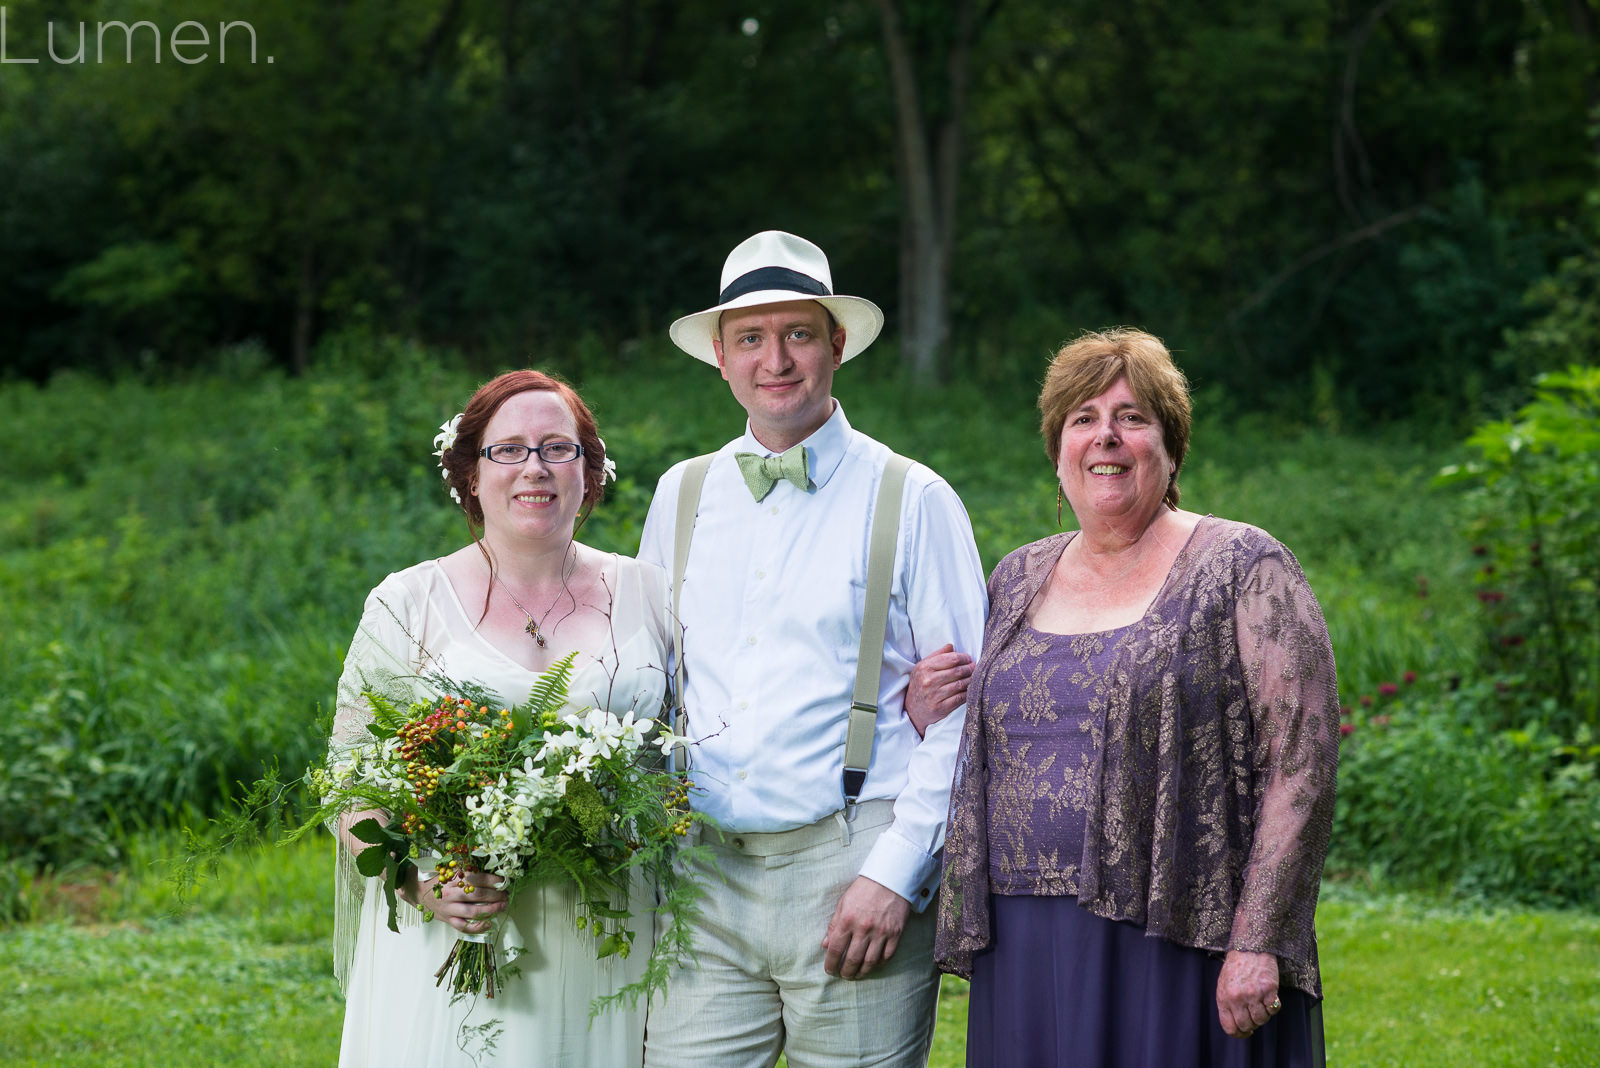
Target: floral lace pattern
{"points": [[1211, 801], [1044, 741]]}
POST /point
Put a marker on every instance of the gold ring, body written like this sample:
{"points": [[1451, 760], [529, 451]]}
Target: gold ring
{"points": [[1277, 1003]]}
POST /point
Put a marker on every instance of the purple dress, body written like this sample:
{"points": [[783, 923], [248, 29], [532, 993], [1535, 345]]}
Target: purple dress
{"points": [[1131, 804], [1059, 986]]}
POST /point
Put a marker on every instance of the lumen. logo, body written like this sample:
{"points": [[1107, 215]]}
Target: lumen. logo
{"points": [[139, 42]]}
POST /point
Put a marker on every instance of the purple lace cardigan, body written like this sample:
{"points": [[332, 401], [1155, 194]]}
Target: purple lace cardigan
{"points": [[1210, 818]]}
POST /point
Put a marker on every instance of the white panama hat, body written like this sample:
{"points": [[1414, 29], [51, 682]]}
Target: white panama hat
{"points": [[770, 268]]}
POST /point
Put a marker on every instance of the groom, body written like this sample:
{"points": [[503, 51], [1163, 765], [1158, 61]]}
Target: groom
{"points": [[814, 938]]}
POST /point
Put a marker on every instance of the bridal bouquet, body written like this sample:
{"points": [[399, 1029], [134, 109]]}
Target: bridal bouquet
{"points": [[529, 794]]}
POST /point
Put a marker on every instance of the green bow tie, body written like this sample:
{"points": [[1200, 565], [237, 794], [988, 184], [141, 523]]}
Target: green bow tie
{"points": [[761, 473]]}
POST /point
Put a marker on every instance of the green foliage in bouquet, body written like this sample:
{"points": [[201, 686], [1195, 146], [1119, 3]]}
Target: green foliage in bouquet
{"points": [[455, 783], [527, 793]]}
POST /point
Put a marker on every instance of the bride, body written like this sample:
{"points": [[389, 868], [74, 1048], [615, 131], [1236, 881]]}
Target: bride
{"points": [[526, 465]]}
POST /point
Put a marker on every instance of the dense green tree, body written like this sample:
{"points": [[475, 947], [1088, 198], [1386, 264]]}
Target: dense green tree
{"points": [[1331, 203], [1293, 191]]}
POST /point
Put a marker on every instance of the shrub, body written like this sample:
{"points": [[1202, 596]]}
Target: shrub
{"points": [[1536, 534], [1430, 797]]}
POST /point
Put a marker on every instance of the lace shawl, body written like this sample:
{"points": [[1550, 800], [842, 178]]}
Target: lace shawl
{"points": [[1210, 818]]}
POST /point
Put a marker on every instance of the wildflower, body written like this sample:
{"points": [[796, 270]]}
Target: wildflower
{"points": [[1366, 700], [1388, 689], [1409, 677], [1346, 729], [1380, 721]]}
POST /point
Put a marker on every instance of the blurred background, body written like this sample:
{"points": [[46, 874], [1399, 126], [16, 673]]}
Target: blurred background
{"points": [[1339, 206], [253, 254]]}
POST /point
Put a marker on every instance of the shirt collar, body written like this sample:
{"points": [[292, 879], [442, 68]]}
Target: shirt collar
{"points": [[825, 448]]}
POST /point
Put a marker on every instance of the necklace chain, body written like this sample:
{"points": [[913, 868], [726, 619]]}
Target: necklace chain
{"points": [[533, 628]]}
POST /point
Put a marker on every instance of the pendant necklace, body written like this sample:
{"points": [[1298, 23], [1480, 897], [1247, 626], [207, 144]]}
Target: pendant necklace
{"points": [[533, 627]]}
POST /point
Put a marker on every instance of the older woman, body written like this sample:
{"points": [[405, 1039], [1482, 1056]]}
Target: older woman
{"points": [[1145, 792]]}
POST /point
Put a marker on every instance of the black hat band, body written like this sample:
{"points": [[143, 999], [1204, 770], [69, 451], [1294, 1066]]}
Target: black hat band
{"points": [[763, 278]]}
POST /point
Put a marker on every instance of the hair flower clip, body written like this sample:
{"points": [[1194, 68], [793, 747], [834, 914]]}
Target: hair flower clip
{"points": [[442, 442], [608, 466]]}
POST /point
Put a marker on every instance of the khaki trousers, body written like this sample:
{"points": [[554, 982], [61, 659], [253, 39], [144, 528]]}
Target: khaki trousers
{"points": [[757, 987]]}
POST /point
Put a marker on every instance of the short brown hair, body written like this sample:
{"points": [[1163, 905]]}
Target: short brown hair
{"points": [[1085, 368]]}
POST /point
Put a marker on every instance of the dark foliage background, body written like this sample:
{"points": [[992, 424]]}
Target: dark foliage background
{"points": [[1321, 204]]}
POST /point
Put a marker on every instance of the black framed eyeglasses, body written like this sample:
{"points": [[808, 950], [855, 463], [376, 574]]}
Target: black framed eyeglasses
{"points": [[551, 452]]}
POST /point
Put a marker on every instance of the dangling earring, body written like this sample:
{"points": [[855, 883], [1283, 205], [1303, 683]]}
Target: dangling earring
{"points": [[1058, 505]]}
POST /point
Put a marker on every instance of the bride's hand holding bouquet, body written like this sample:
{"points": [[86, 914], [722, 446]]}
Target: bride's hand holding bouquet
{"points": [[461, 804]]}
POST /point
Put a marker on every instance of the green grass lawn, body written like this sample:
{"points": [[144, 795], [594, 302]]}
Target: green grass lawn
{"points": [[109, 977]]}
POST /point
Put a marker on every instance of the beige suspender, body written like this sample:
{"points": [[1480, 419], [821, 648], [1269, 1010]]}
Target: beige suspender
{"points": [[874, 623], [862, 728], [694, 476]]}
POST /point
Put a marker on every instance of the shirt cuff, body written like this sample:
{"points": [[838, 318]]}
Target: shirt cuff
{"points": [[898, 864]]}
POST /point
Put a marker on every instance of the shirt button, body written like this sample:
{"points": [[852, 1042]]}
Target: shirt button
{"points": [[761, 574], [751, 640], [744, 774], [744, 704], [773, 509]]}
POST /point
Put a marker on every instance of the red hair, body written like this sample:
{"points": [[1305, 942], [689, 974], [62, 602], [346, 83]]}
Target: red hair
{"points": [[460, 460]]}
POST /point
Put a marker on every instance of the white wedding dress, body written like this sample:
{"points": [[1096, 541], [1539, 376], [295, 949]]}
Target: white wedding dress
{"points": [[394, 1014]]}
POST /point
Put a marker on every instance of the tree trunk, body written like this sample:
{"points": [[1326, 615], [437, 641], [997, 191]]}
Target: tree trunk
{"points": [[928, 161]]}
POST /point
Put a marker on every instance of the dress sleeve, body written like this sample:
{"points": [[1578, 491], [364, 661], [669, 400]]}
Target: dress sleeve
{"points": [[941, 579], [1292, 691], [379, 654], [384, 652]]}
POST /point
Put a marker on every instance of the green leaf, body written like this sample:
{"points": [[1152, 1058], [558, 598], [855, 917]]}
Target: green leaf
{"points": [[372, 861]]}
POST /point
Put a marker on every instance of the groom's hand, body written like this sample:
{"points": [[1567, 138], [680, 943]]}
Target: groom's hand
{"points": [[865, 928]]}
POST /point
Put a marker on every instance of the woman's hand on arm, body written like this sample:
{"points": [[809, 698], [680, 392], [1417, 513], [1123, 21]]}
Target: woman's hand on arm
{"points": [[1247, 992], [938, 687]]}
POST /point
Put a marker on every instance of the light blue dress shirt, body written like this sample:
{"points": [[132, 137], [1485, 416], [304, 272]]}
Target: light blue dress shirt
{"points": [[771, 613]]}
